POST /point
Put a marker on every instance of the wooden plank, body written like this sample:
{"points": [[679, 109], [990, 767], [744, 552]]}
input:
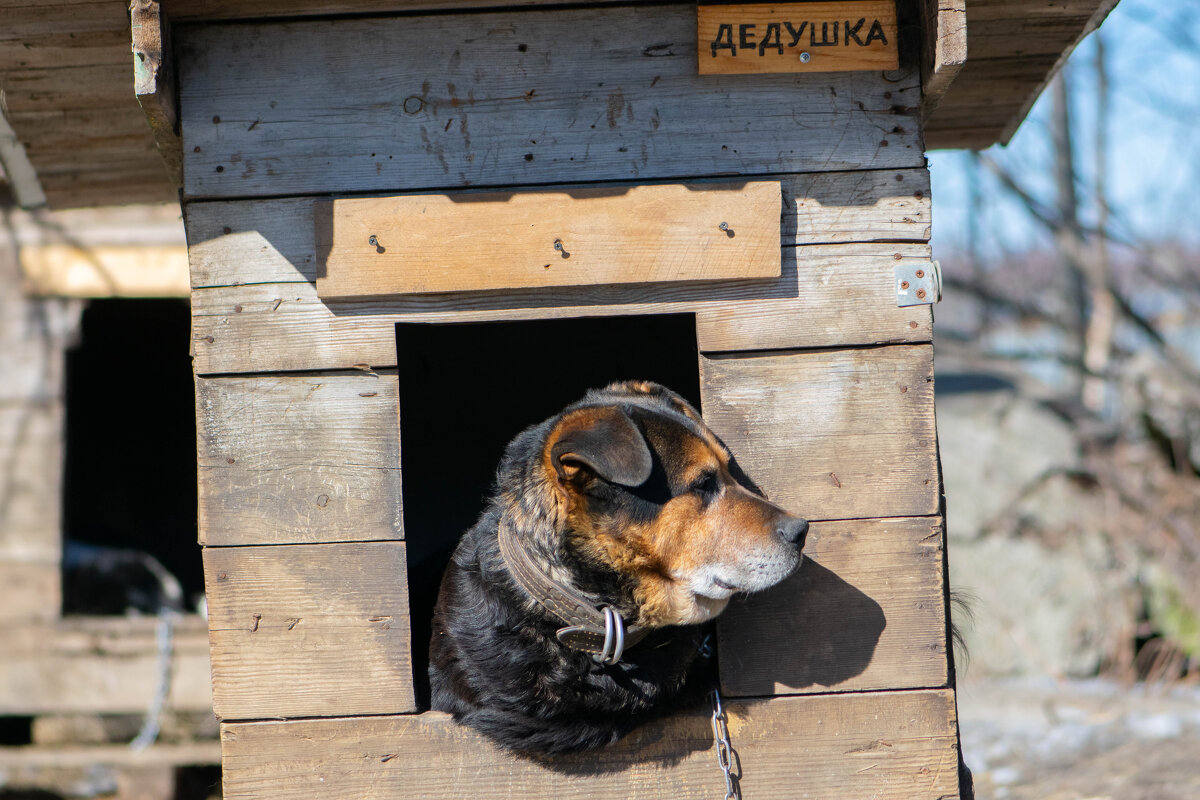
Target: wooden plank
{"points": [[184, 754], [292, 459], [101, 665], [845, 434], [29, 590], [944, 49], [63, 270], [827, 296], [864, 611], [182, 10], [766, 38], [889, 746], [91, 86], [154, 82], [274, 241], [309, 630], [507, 99], [31, 443], [373, 246]]}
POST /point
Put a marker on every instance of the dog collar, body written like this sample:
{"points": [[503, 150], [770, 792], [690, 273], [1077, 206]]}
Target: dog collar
{"points": [[600, 632]]}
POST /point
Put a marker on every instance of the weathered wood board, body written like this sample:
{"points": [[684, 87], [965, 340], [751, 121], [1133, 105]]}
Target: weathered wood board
{"points": [[101, 665], [427, 243], [887, 745], [309, 630], [274, 241], [62, 270], [291, 458], [828, 296], [506, 99], [766, 38], [849, 433], [316, 457], [865, 611]]}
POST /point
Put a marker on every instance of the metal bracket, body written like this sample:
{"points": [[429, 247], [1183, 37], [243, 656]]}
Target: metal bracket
{"points": [[918, 283]]}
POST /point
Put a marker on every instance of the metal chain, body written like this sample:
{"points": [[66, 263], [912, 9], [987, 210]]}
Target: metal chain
{"points": [[726, 756]]}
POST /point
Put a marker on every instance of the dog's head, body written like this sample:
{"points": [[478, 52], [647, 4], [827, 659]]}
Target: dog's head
{"points": [[647, 491]]}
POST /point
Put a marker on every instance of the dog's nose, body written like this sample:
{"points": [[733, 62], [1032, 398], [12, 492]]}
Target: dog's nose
{"points": [[793, 530]]}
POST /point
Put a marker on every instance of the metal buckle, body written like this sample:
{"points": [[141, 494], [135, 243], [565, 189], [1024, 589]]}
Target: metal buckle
{"points": [[614, 638]]}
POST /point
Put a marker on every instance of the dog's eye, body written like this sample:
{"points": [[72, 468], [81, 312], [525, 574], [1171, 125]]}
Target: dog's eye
{"points": [[706, 484]]}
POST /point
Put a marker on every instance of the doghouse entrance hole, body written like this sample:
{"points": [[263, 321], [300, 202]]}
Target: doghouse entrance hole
{"points": [[129, 483], [467, 389]]}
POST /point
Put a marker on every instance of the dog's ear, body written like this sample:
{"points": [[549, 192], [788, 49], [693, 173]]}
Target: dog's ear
{"points": [[604, 440]]}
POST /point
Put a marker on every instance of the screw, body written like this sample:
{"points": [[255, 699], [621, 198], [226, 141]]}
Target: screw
{"points": [[373, 241], [558, 244], [920, 273], [903, 284], [413, 104], [724, 226], [805, 58], [920, 294]]}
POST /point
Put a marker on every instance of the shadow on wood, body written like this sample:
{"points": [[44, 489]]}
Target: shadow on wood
{"points": [[831, 649]]}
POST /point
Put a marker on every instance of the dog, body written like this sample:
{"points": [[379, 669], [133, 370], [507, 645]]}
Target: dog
{"points": [[574, 609]]}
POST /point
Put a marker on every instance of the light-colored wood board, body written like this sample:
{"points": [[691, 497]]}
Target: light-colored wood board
{"points": [[309, 630], [420, 244], [944, 48], [842, 434], [508, 99], [185, 754], [63, 270], [295, 459], [273, 241], [890, 746], [767, 38], [29, 591], [864, 611], [101, 665], [833, 295], [31, 446]]}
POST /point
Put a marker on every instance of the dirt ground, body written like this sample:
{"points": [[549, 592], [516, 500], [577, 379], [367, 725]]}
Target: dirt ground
{"points": [[1092, 740]]}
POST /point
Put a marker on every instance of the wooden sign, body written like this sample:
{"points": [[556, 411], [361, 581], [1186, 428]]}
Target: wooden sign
{"points": [[797, 37], [411, 244]]}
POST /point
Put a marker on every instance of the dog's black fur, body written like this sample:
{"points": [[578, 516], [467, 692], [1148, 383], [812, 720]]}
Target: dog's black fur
{"points": [[495, 662]]}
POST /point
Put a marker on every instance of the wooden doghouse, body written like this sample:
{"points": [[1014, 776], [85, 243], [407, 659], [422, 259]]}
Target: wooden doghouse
{"points": [[588, 189], [344, 176]]}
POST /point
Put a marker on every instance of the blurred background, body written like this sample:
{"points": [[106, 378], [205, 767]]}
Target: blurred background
{"points": [[1068, 406]]}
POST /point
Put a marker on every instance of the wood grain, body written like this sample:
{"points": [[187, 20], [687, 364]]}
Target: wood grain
{"points": [[944, 48], [890, 746], [766, 38], [154, 82], [295, 459], [847, 433], [865, 611], [309, 630], [101, 665], [508, 99], [828, 296], [274, 241], [65, 270], [412, 244]]}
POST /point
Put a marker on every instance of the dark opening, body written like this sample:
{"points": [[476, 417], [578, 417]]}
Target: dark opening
{"points": [[467, 389], [15, 731], [129, 488]]}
